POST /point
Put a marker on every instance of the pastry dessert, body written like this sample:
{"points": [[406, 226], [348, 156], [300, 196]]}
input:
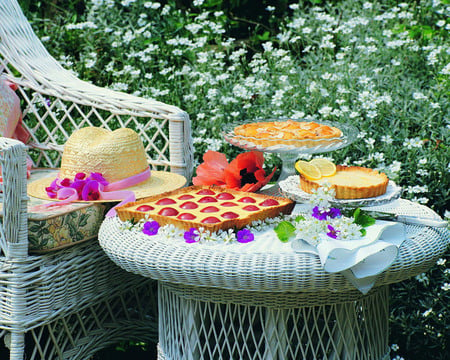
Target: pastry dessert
{"points": [[350, 182], [210, 207], [285, 132]]}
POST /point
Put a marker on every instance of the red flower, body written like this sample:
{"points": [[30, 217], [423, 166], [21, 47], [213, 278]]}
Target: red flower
{"points": [[244, 173], [211, 172]]}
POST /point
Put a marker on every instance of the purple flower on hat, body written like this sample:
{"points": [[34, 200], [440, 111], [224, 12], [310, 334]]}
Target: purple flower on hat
{"points": [[91, 191], [151, 228], [51, 191], [80, 176], [245, 236], [333, 233], [65, 182], [192, 236], [78, 185], [98, 177]]}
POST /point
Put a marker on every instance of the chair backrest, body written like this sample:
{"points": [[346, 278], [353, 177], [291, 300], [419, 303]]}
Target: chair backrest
{"points": [[55, 103]]}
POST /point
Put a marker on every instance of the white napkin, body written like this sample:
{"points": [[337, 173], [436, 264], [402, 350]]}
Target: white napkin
{"points": [[359, 260]]}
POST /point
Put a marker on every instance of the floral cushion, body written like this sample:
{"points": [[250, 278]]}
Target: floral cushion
{"points": [[58, 227]]}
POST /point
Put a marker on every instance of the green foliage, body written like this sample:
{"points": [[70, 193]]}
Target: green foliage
{"points": [[382, 66], [285, 230]]}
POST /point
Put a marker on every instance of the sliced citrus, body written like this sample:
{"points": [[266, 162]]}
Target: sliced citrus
{"points": [[308, 170], [326, 167]]}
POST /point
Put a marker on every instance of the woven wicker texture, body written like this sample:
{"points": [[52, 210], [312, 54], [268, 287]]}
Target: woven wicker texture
{"points": [[205, 266], [70, 303], [204, 323], [55, 103]]}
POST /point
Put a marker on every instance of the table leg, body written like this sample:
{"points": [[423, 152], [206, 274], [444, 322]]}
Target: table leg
{"points": [[214, 324]]}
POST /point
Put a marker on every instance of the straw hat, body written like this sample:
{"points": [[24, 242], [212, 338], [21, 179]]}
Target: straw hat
{"points": [[117, 155]]}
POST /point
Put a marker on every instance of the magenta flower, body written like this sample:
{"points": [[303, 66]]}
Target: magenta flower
{"points": [[151, 228], [65, 182], [98, 177], [87, 188], [333, 233], [91, 191], [245, 236], [192, 236], [80, 176]]}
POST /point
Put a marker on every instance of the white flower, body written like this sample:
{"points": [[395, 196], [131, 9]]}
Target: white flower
{"points": [[325, 111], [427, 312], [446, 286], [413, 143], [419, 96], [395, 347], [423, 278]]}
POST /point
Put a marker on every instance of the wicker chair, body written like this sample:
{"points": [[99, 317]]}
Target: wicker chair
{"points": [[72, 302]]}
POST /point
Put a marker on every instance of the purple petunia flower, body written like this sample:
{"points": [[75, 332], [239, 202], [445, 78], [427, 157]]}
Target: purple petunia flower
{"points": [[91, 191], [323, 215], [192, 236], [320, 215], [78, 185], [98, 177], [65, 182], [334, 213], [245, 236], [333, 233], [151, 228]]}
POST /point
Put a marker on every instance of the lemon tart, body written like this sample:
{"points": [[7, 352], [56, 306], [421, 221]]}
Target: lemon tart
{"points": [[285, 132], [350, 182]]}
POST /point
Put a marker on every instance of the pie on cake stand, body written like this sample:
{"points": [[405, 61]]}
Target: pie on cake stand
{"points": [[289, 149]]}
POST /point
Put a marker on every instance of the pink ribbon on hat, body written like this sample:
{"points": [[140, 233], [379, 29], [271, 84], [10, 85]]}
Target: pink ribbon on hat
{"points": [[95, 188]]}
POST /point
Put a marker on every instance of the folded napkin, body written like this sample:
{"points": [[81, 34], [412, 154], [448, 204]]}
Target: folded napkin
{"points": [[359, 260]]}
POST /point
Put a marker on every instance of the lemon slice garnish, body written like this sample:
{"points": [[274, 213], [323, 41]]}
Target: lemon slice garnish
{"points": [[308, 170], [326, 167]]}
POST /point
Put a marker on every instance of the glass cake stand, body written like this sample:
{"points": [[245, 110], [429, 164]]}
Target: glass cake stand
{"points": [[290, 150]]}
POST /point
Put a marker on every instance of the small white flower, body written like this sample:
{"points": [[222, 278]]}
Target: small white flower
{"points": [[423, 278], [446, 286]]}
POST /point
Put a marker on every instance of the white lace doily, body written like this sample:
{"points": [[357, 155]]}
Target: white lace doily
{"points": [[290, 188]]}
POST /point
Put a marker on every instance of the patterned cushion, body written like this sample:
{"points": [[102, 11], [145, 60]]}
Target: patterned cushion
{"points": [[62, 226]]}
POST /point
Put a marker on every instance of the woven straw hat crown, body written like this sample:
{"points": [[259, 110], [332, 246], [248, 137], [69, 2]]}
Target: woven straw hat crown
{"points": [[116, 154]]}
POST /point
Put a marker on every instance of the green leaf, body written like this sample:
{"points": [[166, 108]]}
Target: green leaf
{"points": [[362, 219], [284, 230], [300, 218]]}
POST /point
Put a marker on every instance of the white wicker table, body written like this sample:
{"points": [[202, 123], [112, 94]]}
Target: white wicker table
{"points": [[229, 305]]}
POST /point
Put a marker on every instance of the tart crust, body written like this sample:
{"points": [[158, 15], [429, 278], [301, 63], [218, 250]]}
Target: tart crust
{"points": [[285, 132], [280, 206], [350, 182]]}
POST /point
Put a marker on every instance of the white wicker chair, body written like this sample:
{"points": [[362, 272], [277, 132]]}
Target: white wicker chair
{"points": [[70, 303]]}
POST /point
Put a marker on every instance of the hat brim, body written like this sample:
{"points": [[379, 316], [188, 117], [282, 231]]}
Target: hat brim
{"points": [[159, 182]]}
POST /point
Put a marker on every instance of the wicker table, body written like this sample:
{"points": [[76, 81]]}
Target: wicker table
{"points": [[227, 305]]}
